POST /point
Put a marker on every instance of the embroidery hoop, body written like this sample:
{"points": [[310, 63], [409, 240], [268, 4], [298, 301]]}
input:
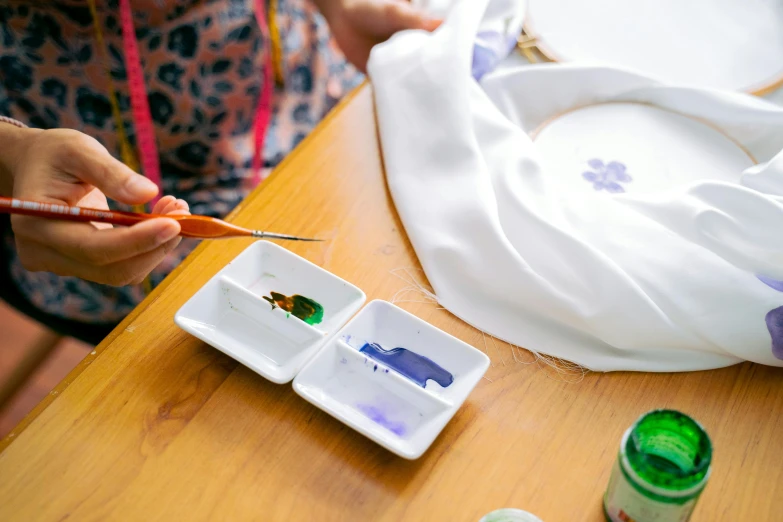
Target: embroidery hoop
{"points": [[707, 130], [535, 47]]}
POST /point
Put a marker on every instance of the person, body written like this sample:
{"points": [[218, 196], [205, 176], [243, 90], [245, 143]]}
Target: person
{"points": [[205, 71]]}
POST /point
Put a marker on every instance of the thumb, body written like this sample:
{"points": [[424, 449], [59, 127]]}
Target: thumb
{"points": [[94, 165]]}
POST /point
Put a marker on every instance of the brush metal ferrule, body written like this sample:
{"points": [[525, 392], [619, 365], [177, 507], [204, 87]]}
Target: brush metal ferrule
{"points": [[260, 234]]}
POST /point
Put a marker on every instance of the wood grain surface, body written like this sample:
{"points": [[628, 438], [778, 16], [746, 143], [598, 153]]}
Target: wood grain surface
{"points": [[159, 426]]}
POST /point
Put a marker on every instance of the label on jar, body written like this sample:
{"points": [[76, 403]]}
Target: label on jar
{"points": [[624, 503]]}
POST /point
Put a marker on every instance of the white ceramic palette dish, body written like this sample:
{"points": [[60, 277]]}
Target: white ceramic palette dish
{"points": [[634, 148], [377, 401], [724, 44], [229, 312]]}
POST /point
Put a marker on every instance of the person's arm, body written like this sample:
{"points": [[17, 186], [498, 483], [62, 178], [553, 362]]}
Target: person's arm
{"points": [[358, 25], [70, 168]]}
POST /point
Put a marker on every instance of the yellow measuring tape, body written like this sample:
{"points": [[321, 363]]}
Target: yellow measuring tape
{"points": [[126, 151], [277, 46]]}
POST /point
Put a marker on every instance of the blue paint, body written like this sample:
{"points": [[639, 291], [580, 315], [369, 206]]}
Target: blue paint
{"points": [[410, 364], [375, 368], [376, 414]]}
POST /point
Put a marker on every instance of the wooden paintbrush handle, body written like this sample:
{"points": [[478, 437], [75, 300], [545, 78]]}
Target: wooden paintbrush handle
{"points": [[67, 213], [206, 227], [203, 227]]}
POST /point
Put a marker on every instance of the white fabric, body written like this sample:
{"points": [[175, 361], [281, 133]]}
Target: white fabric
{"points": [[662, 281], [497, 33]]}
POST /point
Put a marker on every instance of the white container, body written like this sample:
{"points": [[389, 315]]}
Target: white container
{"points": [[509, 515], [375, 399], [229, 312]]}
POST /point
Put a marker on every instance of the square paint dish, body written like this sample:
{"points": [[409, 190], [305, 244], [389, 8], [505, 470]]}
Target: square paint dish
{"points": [[270, 309], [392, 377]]}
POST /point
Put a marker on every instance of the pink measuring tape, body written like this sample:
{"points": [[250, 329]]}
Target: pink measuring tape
{"points": [[145, 131], [264, 109]]}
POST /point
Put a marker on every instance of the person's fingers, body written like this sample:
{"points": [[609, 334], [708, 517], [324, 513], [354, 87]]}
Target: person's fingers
{"points": [[384, 18], [164, 204], [146, 263], [169, 205], [86, 159], [430, 24], [37, 257], [402, 16], [367, 23], [86, 244]]}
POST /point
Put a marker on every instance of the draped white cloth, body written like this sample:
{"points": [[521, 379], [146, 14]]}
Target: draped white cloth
{"points": [[676, 280]]}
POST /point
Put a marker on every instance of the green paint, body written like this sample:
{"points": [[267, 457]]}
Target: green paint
{"points": [[302, 307]]}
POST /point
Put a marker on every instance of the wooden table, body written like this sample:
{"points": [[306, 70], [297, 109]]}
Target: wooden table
{"points": [[156, 425]]}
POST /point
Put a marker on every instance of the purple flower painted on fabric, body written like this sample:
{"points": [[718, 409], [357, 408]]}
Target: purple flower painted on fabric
{"points": [[774, 321], [607, 176]]}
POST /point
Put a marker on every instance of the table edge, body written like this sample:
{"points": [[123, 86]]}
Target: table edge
{"points": [[56, 392]]}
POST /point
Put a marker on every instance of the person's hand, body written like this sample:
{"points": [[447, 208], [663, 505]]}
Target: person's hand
{"points": [[357, 25], [67, 167]]}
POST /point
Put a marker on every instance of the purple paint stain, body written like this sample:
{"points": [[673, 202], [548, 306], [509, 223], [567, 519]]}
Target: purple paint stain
{"points": [[774, 321], [490, 48], [772, 283], [774, 318], [415, 367], [375, 368], [377, 415]]}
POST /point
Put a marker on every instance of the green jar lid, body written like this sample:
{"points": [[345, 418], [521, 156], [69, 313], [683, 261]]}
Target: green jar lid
{"points": [[669, 452], [509, 515]]}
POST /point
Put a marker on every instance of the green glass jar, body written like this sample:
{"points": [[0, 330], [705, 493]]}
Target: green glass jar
{"points": [[662, 468], [509, 515]]}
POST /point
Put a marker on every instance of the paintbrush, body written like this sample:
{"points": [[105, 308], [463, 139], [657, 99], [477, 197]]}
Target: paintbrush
{"points": [[202, 227]]}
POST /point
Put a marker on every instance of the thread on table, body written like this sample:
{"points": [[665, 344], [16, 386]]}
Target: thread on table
{"points": [[416, 290]]}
